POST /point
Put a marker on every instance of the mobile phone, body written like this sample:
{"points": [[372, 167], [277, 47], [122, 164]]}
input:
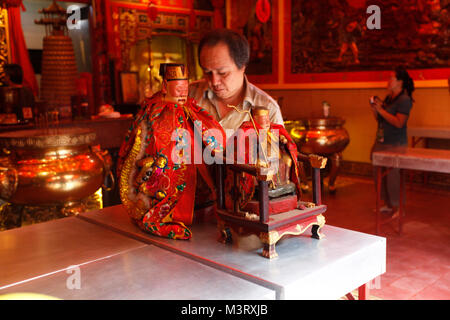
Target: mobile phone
{"points": [[373, 99]]}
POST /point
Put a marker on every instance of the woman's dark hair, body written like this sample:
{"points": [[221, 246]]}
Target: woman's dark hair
{"points": [[14, 72], [408, 83], [237, 45]]}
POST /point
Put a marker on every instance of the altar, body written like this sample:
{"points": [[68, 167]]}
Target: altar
{"points": [[114, 259]]}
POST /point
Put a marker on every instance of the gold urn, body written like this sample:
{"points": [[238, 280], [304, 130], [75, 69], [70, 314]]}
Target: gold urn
{"points": [[46, 167], [323, 136]]}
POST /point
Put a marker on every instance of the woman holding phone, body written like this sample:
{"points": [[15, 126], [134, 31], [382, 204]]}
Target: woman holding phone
{"points": [[392, 115]]}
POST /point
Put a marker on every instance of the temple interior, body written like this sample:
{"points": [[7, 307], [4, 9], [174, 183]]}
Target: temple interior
{"points": [[90, 68]]}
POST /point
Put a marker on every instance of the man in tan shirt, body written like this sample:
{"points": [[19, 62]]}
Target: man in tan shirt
{"points": [[223, 57]]}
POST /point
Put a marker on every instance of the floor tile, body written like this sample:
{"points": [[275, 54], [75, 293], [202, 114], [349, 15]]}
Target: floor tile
{"points": [[433, 292], [418, 260]]}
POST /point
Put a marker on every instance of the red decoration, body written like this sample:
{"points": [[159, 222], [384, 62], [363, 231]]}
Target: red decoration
{"points": [[192, 19], [12, 3], [169, 186], [218, 15], [192, 16], [152, 11], [19, 51], [358, 4], [218, 4], [263, 10]]}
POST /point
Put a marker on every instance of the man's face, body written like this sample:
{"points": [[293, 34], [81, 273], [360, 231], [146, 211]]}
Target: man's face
{"points": [[224, 78], [177, 91]]}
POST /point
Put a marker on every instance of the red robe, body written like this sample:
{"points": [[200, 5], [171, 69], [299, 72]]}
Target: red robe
{"points": [[291, 148], [157, 190], [245, 150]]}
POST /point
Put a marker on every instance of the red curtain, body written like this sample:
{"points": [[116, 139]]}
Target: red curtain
{"points": [[19, 52]]}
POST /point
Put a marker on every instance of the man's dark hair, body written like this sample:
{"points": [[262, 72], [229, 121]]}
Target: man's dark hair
{"points": [[237, 45], [14, 72]]}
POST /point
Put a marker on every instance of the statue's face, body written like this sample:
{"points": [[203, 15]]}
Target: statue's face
{"points": [[176, 91], [263, 121]]}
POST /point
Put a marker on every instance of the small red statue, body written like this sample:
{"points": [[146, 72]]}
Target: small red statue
{"points": [[269, 146]]}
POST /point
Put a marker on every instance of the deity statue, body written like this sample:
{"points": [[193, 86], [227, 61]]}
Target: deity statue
{"points": [[157, 166], [272, 142], [268, 146]]}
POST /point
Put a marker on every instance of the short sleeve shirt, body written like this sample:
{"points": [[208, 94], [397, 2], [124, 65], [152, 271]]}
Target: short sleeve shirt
{"points": [[253, 97], [393, 135]]}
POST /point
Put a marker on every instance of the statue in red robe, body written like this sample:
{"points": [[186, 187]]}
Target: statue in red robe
{"points": [[161, 155], [268, 146]]}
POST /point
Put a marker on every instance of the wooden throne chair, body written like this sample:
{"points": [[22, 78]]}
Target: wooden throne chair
{"points": [[270, 214]]}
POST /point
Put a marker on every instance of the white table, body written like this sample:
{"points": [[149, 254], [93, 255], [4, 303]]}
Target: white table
{"points": [[306, 268], [419, 133], [43, 259], [116, 260], [423, 159]]}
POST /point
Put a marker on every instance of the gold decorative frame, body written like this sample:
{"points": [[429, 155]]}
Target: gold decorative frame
{"points": [[4, 43], [51, 138]]}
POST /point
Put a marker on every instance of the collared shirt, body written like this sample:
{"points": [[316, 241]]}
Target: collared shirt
{"points": [[200, 91]]}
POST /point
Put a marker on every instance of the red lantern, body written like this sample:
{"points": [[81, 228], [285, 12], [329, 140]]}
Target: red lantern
{"points": [[192, 20], [218, 4], [152, 11], [218, 8], [263, 10]]}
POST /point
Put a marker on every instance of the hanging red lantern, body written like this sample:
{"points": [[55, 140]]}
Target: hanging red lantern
{"points": [[218, 4], [192, 16], [152, 11], [263, 10], [192, 20], [218, 13]]}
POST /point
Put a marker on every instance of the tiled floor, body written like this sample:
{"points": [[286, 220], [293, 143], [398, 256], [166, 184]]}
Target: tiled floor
{"points": [[418, 261]]}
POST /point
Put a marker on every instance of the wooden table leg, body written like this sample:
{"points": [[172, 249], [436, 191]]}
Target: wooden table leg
{"points": [[378, 199], [363, 292], [334, 171], [401, 207], [350, 296], [317, 190]]}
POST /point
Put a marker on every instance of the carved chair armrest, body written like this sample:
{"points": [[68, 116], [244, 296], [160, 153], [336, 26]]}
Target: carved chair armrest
{"points": [[317, 162], [314, 160], [263, 186]]}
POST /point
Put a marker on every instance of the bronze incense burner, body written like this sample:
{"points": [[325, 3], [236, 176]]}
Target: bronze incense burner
{"points": [[51, 167], [323, 136]]}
